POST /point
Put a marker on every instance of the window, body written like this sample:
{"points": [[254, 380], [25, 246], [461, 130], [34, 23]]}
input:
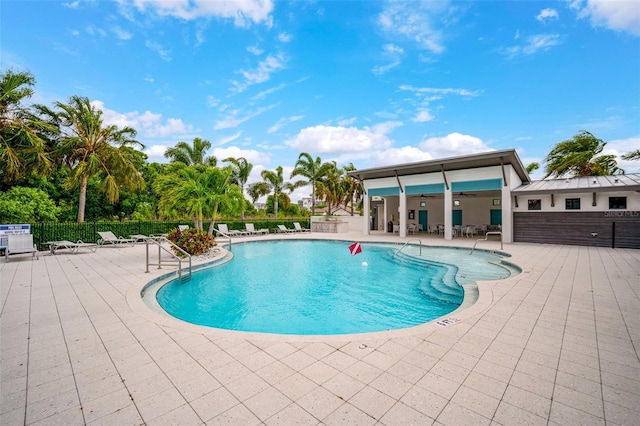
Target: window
{"points": [[535, 204], [572, 203], [496, 201], [618, 203]]}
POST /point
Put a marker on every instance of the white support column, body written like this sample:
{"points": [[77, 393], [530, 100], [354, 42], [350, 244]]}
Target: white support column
{"points": [[507, 215], [448, 214], [402, 215], [367, 215]]}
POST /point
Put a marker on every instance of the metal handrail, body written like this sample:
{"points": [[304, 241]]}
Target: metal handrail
{"points": [[405, 244], [485, 239], [224, 235], [158, 241]]}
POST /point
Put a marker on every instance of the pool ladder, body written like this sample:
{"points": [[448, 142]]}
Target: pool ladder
{"points": [[176, 260], [405, 244], [485, 239]]}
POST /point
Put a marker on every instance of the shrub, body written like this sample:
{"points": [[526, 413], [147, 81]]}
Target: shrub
{"points": [[192, 240]]}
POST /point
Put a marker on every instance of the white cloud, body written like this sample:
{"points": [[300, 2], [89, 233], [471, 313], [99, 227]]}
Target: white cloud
{"points": [[235, 118], [264, 93], [386, 127], [620, 147], [616, 15], [403, 155], [392, 54], [226, 139], [165, 54], [146, 124], [422, 116], [262, 73], [454, 144], [346, 121], [533, 44], [212, 101], [547, 15], [439, 91], [284, 37], [255, 50], [72, 5], [416, 21], [284, 121], [330, 139], [251, 155], [91, 30], [121, 34], [243, 13], [156, 153]]}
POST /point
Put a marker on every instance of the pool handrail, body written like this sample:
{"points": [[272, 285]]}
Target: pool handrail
{"points": [[177, 259], [405, 244], [220, 233], [485, 239]]}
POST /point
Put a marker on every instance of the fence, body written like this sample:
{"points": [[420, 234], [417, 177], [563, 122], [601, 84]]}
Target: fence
{"points": [[87, 231]]}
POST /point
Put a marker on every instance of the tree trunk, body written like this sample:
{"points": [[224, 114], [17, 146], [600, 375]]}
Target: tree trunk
{"points": [[275, 207], [83, 198]]}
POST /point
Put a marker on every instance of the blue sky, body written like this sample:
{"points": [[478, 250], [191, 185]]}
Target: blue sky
{"points": [[363, 82]]}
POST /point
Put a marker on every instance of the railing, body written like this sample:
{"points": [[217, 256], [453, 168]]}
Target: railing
{"points": [[177, 260], [405, 244], [223, 235], [485, 239]]}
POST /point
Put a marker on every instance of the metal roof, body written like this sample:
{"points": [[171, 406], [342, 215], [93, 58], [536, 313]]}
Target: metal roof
{"points": [[630, 182], [473, 161]]}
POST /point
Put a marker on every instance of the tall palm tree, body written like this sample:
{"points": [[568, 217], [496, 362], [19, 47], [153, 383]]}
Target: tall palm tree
{"points": [[273, 182], [331, 187], [198, 191], [311, 169], [578, 156], [23, 135], [240, 174], [191, 154], [633, 155], [352, 187], [92, 149]]}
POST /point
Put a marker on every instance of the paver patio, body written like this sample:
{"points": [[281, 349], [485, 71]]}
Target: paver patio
{"points": [[556, 344]]}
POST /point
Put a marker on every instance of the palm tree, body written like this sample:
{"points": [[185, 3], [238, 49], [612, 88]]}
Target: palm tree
{"points": [[274, 183], [532, 167], [578, 156], [23, 135], [191, 155], [633, 155], [331, 187], [92, 149], [240, 174], [197, 191], [352, 187], [313, 171]]}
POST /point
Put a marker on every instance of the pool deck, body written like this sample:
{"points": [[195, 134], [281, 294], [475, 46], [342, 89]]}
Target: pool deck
{"points": [[557, 344]]}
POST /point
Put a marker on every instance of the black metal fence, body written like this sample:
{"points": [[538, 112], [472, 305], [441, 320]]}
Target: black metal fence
{"points": [[88, 231]]}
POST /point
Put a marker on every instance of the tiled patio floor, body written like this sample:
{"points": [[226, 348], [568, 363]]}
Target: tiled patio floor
{"points": [[556, 344]]}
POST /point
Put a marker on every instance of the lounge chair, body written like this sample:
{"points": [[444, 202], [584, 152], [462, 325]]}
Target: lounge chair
{"points": [[108, 237], [251, 230], [74, 247], [224, 229], [183, 228], [298, 228], [20, 244], [284, 229]]}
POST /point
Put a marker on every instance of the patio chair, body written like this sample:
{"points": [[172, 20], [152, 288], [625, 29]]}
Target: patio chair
{"points": [[74, 247], [251, 230], [20, 244], [183, 228], [108, 237], [284, 229], [224, 229], [298, 228]]}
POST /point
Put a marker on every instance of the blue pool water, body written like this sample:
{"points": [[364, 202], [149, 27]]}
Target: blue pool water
{"points": [[317, 287]]}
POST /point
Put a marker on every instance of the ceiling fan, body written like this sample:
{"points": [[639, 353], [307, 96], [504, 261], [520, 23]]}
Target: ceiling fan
{"points": [[464, 194], [427, 196]]}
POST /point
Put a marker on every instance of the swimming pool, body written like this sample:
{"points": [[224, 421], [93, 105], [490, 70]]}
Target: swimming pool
{"points": [[315, 287]]}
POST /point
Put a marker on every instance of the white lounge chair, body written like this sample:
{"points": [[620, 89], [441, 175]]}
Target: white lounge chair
{"points": [[284, 229], [183, 228], [20, 244], [224, 229], [251, 230], [298, 228], [74, 247], [108, 237]]}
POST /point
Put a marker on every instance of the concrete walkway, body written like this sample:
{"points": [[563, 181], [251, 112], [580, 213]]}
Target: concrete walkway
{"points": [[557, 344]]}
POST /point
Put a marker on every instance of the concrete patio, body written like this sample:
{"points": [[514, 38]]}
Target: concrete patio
{"points": [[557, 344]]}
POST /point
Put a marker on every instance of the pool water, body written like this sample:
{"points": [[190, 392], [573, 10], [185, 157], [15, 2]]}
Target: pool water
{"points": [[316, 287]]}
